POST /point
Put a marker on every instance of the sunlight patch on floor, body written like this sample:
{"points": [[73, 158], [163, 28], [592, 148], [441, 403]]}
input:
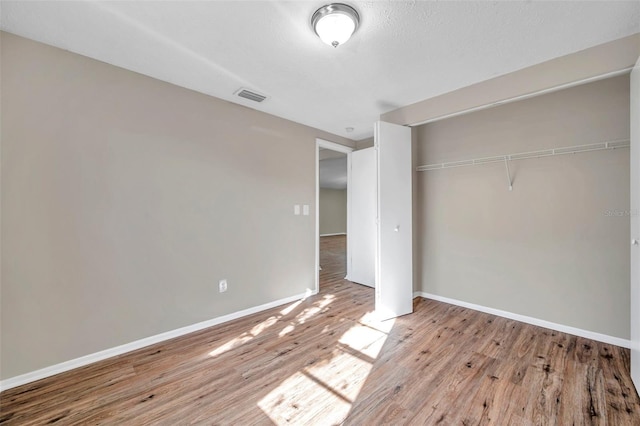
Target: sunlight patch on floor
{"points": [[288, 329], [366, 340], [331, 384], [296, 401], [314, 309], [291, 307], [370, 319], [232, 344], [256, 330]]}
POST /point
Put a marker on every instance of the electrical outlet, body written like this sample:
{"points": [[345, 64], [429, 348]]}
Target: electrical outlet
{"points": [[222, 285]]}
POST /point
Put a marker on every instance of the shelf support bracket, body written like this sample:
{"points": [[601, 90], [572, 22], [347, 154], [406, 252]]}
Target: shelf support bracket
{"points": [[506, 165]]}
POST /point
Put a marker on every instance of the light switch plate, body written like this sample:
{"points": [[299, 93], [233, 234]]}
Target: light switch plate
{"points": [[296, 209], [305, 210]]}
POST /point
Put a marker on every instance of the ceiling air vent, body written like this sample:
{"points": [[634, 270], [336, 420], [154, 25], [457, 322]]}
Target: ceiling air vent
{"points": [[252, 96]]}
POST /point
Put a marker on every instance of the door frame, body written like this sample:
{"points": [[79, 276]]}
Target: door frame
{"points": [[322, 143], [634, 158]]}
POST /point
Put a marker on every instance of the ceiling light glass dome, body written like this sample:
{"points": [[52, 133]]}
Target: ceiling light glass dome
{"points": [[335, 23]]}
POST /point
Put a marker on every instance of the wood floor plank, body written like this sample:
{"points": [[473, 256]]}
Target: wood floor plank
{"points": [[325, 361]]}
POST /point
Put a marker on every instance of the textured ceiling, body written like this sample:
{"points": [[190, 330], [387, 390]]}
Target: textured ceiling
{"points": [[402, 53]]}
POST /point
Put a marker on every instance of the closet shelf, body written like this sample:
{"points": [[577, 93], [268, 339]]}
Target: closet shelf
{"points": [[621, 143]]}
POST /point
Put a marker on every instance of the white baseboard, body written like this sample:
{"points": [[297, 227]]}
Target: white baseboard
{"points": [[617, 341], [333, 235], [22, 379]]}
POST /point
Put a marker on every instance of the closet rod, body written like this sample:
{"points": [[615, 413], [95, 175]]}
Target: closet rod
{"points": [[621, 143]]}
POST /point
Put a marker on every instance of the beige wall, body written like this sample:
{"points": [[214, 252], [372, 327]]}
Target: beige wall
{"points": [[126, 199], [365, 143], [333, 211], [548, 249]]}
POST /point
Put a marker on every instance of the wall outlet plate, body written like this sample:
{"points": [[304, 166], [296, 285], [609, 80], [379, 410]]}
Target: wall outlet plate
{"points": [[222, 286]]}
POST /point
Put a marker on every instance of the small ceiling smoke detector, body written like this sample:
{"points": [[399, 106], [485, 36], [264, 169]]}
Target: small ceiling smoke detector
{"points": [[251, 95], [335, 23], [349, 129]]}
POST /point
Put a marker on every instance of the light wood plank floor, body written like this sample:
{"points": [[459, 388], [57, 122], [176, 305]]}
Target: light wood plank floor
{"points": [[325, 361]]}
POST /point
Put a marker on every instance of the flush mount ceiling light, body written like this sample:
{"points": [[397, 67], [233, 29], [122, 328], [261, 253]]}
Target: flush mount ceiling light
{"points": [[335, 23]]}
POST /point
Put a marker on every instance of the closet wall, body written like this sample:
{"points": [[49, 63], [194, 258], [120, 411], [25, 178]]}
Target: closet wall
{"points": [[556, 247]]}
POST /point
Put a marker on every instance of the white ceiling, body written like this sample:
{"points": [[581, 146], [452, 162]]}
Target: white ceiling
{"points": [[403, 52]]}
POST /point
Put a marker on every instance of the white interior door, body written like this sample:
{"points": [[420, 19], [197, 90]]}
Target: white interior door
{"points": [[394, 266], [635, 225], [362, 218]]}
